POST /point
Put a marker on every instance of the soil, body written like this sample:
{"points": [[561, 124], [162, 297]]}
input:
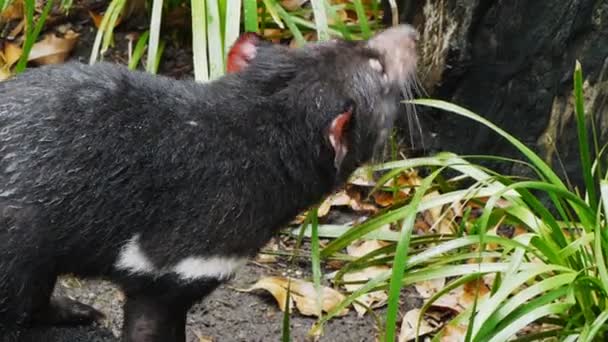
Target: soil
{"points": [[227, 314]]}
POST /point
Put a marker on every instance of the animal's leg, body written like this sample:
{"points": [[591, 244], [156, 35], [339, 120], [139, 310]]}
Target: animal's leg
{"points": [[65, 311], [26, 286], [157, 315]]}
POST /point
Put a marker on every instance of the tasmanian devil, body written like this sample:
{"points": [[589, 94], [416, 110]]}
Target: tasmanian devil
{"points": [[165, 187]]}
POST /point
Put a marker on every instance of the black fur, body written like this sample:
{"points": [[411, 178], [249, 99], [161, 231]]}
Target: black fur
{"points": [[91, 155]]}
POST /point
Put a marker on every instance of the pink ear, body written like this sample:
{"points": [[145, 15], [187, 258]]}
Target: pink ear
{"points": [[242, 52], [336, 136]]}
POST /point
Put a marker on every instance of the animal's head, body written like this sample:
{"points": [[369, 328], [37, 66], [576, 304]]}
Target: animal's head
{"points": [[348, 91]]}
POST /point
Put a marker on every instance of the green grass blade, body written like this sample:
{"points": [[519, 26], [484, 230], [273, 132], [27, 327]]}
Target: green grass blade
{"points": [[316, 261], [272, 9], [363, 23], [522, 298], [233, 21], [288, 18], [531, 316], [598, 248], [508, 287], [215, 40], [533, 157], [285, 331], [341, 26], [320, 16], [199, 40], [594, 329], [583, 139], [153, 46], [32, 32], [401, 255], [250, 14], [139, 50], [108, 34], [100, 32]]}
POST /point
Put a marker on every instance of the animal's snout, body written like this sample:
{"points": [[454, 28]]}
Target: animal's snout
{"points": [[397, 45]]}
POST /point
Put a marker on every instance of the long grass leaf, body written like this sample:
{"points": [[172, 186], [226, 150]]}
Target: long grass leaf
{"points": [[139, 50], [320, 16], [215, 40], [199, 40], [362, 19], [583, 139], [233, 21], [401, 255], [594, 328], [531, 316], [155, 25], [250, 14], [599, 250], [32, 32]]}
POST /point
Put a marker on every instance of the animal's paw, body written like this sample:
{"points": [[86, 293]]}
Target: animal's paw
{"points": [[65, 311]]}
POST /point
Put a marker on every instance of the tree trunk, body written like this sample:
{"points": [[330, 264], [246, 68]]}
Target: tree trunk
{"points": [[512, 62]]}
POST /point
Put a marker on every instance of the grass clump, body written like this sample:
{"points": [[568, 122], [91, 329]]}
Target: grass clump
{"points": [[547, 280]]}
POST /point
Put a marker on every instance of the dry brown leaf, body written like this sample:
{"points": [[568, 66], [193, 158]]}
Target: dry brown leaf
{"points": [[98, 17], [461, 298], [385, 198], [373, 299], [14, 11], [428, 288], [362, 177], [360, 248], [52, 49], [337, 199], [292, 5], [266, 258], [453, 333], [409, 326], [12, 53], [5, 73], [302, 293]]}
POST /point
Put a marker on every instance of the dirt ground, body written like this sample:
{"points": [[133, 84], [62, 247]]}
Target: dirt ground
{"points": [[227, 315]]}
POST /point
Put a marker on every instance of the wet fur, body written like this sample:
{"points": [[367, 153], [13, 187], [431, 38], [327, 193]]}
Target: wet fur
{"points": [[92, 155]]}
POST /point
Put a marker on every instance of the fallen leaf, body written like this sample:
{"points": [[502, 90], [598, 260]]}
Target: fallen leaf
{"points": [[453, 333], [428, 288], [462, 298], [292, 5], [337, 199], [409, 326], [301, 292], [13, 11], [98, 17], [362, 177], [372, 299], [52, 49], [360, 248], [385, 198], [5, 73], [12, 53]]}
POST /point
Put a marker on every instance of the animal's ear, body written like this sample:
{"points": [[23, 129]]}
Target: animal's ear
{"points": [[242, 52], [337, 135]]}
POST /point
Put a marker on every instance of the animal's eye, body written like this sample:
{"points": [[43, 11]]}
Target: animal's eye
{"points": [[376, 65]]}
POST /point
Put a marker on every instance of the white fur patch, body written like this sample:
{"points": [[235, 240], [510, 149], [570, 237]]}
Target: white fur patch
{"points": [[133, 259], [214, 267]]}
